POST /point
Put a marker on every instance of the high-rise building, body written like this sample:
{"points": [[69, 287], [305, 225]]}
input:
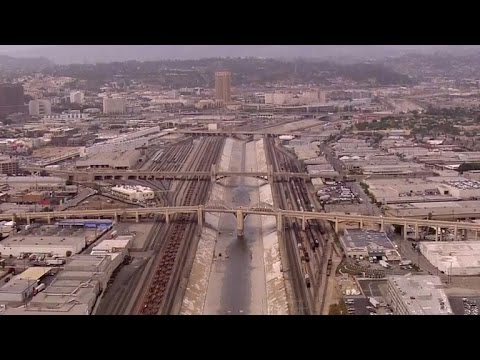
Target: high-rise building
{"points": [[8, 165], [114, 105], [76, 97], [39, 107], [11, 99], [223, 80]]}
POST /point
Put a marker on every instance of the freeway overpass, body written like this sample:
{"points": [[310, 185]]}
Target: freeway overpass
{"points": [[240, 214]]}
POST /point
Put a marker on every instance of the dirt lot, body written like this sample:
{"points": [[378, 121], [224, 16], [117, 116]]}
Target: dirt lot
{"points": [[49, 152], [99, 202]]}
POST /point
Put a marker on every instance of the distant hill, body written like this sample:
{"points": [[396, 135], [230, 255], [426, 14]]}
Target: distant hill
{"points": [[69, 54], [8, 63]]}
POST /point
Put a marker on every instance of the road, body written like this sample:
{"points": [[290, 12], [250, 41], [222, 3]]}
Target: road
{"points": [[408, 252], [357, 190]]}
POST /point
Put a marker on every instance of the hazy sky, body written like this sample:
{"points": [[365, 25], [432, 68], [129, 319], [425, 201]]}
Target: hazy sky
{"points": [[8, 48], [67, 54]]}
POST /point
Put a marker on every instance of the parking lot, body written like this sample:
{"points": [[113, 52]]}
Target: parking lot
{"points": [[357, 305], [372, 288], [464, 305]]}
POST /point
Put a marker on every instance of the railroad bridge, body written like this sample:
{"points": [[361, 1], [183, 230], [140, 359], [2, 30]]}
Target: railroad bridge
{"points": [[99, 174], [240, 213]]}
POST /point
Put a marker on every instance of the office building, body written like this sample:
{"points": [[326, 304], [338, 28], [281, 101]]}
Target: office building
{"points": [[223, 81], [8, 165], [76, 97], [11, 99], [39, 107], [114, 105]]}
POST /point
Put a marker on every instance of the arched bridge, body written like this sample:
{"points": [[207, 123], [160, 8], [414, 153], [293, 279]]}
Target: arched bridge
{"points": [[240, 213]]}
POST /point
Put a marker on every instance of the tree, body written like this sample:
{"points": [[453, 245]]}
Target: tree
{"points": [[68, 253]]}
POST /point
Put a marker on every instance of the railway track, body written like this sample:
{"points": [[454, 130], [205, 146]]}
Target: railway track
{"points": [[176, 237], [306, 248]]}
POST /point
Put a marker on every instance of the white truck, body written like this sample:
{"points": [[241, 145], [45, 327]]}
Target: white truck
{"points": [[54, 262], [385, 264], [405, 262]]}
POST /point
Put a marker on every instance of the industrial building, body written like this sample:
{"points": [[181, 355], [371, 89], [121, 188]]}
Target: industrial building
{"points": [[133, 193], [453, 257], [48, 239], [39, 107], [443, 209], [359, 243], [86, 223], [122, 160], [74, 291], [417, 295], [16, 291]]}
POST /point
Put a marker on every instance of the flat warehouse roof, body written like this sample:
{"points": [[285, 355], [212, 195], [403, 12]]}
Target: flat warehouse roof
{"points": [[356, 238], [34, 273]]}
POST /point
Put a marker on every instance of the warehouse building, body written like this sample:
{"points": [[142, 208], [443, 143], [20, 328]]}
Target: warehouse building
{"points": [[48, 240], [121, 160], [61, 297], [75, 289], [359, 243], [85, 223], [417, 295], [16, 291], [453, 258], [135, 193]]}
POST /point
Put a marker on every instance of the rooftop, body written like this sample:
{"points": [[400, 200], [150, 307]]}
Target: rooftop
{"points": [[368, 240], [422, 294], [16, 286], [453, 257]]}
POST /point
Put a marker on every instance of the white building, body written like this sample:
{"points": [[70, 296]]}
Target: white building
{"points": [[17, 290], [70, 116], [454, 258], [417, 295], [76, 97], [114, 105], [134, 193], [39, 107]]}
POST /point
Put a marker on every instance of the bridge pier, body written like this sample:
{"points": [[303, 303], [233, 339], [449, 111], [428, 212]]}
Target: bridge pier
{"points": [[416, 231], [137, 217], [167, 217], [476, 235], [240, 223], [336, 226], [213, 175], [200, 216], [382, 226], [405, 231], [115, 217], [49, 219], [361, 224], [279, 223], [303, 223], [436, 233], [28, 220], [455, 229]]}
